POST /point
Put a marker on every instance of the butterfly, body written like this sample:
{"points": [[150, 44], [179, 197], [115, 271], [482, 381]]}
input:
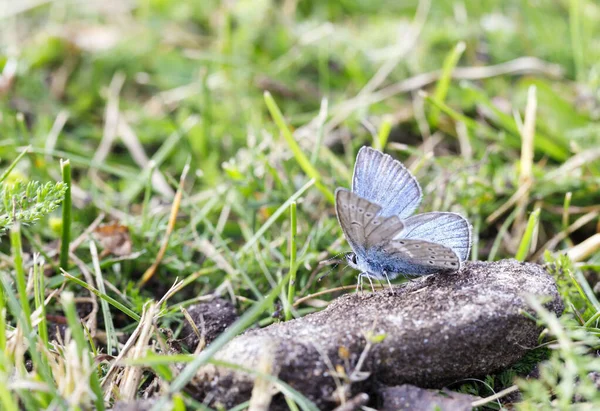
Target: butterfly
{"points": [[387, 240]]}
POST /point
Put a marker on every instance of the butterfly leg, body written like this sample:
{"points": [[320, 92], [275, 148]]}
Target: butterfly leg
{"points": [[370, 281], [388, 281], [359, 281]]}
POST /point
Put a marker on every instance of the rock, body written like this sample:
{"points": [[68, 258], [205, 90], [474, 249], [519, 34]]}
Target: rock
{"points": [[212, 316], [408, 397], [438, 329]]}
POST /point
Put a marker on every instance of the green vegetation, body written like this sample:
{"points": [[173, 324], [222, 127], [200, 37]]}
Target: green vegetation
{"points": [[104, 105]]}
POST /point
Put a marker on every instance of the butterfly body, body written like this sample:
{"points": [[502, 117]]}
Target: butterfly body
{"points": [[386, 240], [377, 264]]}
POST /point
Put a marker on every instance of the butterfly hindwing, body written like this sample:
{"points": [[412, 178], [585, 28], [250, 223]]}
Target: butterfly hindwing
{"points": [[414, 257], [361, 222], [449, 229], [382, 180]]}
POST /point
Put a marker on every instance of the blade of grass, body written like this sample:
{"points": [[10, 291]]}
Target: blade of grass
{"points": [[171, 225], [65, 167], [443, 84], [121, 170], [566, 206], [321, 130], [274, 217], [14, 164], [38, 288], [241, 407], [2, 324], [21, 278], [585, 289], [383, 134], [147, 195], [6, 398], [301, 158], [111, 336], [68, 302], [594, 318], [108, 299], [527, 131], [523, 250], [22, 127], [577, 39], [292, 285]]}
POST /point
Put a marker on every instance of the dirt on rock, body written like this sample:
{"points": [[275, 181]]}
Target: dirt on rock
{"points": [[430, 332], [210, 319]]}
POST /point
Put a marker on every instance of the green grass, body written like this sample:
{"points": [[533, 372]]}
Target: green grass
{"points": [[268, 102]]}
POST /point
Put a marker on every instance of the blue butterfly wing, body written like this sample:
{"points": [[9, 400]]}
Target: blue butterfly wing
{"points": [[448, 229], [384, 181], [411, 257], [361, 222]]}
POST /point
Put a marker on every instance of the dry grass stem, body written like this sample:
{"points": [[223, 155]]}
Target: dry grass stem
{"points": [[171, 225]]}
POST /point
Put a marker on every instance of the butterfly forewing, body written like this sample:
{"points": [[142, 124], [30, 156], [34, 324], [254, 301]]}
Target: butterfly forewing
{"points": [[449, 229], [416, 257], [361, 223], [385, 181]]}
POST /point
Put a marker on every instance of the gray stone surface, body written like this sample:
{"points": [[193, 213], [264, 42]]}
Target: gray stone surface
{"points": [[212, 317], [439, 329], [408, 398]]}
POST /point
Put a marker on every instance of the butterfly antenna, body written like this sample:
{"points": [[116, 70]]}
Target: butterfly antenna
{"points": [[324, 262], [333, 268], [329, 271]]}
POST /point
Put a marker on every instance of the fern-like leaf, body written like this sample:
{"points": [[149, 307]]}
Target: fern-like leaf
{"points": [[28, 202]]}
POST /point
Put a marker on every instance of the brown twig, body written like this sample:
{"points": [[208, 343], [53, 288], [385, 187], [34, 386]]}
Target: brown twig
{"points": [[172, 219]]}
